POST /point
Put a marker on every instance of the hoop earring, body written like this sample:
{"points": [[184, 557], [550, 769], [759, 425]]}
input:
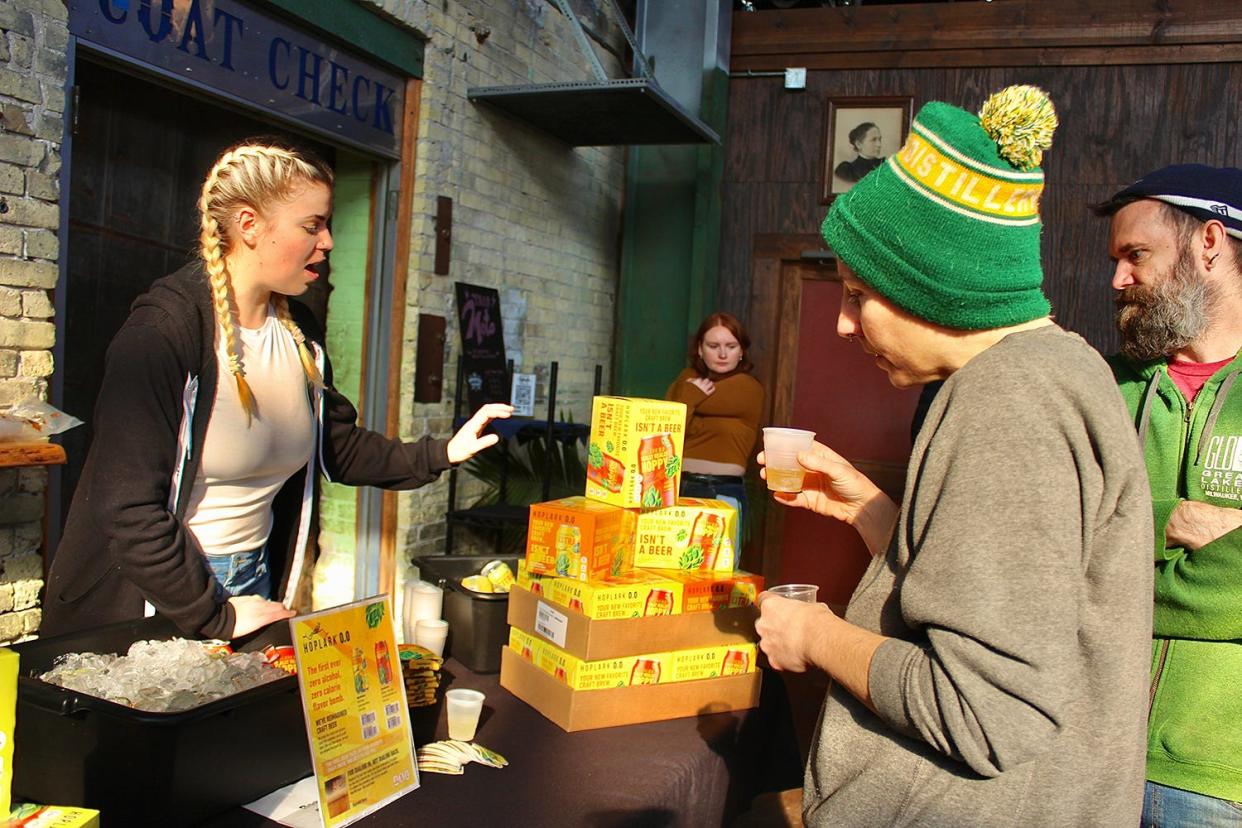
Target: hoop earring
{"points": [[1212, 260]]}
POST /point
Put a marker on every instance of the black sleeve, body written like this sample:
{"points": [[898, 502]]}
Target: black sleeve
{"points": [[360, 457], [137, 421]]}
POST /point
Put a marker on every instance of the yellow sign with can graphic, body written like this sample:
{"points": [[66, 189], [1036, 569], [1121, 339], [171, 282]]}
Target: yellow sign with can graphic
{"points": [[353, 700]]}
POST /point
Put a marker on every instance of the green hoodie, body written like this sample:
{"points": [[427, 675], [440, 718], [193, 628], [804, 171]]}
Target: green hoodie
{"points": [[1194, 452]]}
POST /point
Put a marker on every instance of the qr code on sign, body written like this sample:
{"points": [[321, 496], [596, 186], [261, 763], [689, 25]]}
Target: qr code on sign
{"points": [[523, 396], [368, 718]]}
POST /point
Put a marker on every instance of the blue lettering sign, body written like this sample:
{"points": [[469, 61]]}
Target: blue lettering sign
{"points": [[105, 8], [144, 17], [254, 58], [194, 29], [277, 43], [229, 21]]}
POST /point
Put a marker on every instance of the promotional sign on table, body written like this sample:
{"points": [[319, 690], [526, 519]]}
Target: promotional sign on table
{"points": [[482, 345], [353, 699]]}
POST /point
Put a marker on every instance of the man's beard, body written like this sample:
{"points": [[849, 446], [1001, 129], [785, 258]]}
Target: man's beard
{"points": [[1156, 321]]}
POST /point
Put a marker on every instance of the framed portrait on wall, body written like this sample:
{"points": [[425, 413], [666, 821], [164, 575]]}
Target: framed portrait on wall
{"points": [[860, 134]]}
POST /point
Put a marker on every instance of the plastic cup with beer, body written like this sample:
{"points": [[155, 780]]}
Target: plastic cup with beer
{"points": [[780, 456], [463, 708], [796, 592], [431, 633]]}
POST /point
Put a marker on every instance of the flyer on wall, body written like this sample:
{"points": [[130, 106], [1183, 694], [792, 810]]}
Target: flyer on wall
{"points": [[353, 700]]}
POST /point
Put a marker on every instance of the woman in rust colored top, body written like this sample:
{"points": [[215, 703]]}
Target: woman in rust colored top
{"points": [[723, 406]]}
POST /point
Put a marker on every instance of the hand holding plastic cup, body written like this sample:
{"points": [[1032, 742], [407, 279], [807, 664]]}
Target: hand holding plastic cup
{"points": [[431, 633], [796, 592], [780, 456], [463, 708]]}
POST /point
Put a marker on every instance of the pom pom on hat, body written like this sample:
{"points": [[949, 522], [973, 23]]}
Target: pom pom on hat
{"points": [[1021, 120]]}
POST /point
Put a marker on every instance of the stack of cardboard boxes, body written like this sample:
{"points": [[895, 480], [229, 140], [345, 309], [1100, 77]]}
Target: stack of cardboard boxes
{"points": [[628, 607]]}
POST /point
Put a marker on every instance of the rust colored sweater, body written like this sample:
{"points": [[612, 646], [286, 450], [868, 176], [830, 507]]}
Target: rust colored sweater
{"points": [[723, 426]]}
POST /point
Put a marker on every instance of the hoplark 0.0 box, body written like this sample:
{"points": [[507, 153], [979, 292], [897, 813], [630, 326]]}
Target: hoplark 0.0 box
{"points": [[634, 458], [632, 594], [695, 534], [711, 591], [579, 538], [711, 662]]}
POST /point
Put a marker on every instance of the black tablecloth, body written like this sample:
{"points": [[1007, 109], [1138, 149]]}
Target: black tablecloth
{"points": [[685, 772]]}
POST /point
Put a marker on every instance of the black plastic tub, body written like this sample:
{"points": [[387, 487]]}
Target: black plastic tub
{"points": [[141, 768], [478, 626]]}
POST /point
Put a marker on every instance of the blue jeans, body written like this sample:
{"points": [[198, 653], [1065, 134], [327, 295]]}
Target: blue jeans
{"points": [[243, 573], [1165, 807]]}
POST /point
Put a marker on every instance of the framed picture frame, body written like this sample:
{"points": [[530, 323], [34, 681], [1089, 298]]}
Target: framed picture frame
{"points": [[861, 132]]}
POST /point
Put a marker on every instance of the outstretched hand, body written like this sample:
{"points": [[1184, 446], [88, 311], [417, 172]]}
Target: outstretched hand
{"points": [[466, 442], [252, 612]]}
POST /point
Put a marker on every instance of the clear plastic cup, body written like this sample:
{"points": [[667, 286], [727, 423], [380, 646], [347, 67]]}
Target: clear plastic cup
{"points": [[796, 592], [780, 456], [463, 708], [431, 633]]}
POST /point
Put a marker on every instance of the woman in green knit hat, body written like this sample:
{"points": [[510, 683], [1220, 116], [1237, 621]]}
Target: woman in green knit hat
{"points": [[990, 669]]}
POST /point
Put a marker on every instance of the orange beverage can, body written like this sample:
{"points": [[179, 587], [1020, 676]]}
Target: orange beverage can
{"points": [[645, 671], [736, 663], [654, 453], [659, 602]]}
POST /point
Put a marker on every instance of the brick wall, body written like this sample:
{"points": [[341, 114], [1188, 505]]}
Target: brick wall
{"points": [[33, 39], [536, 219]]}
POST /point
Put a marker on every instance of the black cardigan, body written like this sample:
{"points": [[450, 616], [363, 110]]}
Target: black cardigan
{"points": [[123, 543]]}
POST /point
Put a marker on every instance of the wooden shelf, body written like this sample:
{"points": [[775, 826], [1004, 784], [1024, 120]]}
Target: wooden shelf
{"points": [[13, 455]]}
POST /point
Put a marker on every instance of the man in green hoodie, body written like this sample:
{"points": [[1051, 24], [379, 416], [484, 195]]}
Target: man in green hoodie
{"points": [[1176, 241]]}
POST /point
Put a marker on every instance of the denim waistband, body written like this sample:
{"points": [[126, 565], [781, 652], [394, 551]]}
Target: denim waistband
{"points": [[712, 478]]}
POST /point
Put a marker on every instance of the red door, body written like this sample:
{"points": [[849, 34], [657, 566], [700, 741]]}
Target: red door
{"points": [[839, 393]]}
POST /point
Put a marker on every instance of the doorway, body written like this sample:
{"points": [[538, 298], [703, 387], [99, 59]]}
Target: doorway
{"points": [[140, 151]]}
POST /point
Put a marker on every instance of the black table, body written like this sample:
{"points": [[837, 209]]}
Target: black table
{"points": [[688, 772]]}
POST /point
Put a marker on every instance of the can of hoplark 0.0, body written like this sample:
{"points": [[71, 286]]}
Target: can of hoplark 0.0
{"points": [[499, 573]]}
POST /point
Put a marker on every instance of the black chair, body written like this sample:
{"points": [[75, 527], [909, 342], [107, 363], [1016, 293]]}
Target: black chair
{"points": [[503, 515]]}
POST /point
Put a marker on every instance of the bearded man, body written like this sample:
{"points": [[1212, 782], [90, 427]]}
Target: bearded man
{"points": [[1175, 241]]}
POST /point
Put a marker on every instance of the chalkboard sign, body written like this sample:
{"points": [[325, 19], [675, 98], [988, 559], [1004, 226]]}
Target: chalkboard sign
{"points": [[482, 345]]}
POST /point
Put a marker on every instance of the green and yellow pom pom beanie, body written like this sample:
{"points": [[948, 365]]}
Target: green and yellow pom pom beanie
{"points": [[948, 228]]}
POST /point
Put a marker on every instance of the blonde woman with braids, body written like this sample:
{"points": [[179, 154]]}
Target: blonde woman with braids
{"points": [[216, 411]]}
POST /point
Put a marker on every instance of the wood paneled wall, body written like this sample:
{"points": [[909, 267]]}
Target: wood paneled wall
{"points": [[1121, 114]]}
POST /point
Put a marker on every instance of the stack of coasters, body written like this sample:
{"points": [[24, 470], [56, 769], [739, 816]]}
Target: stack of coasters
{"points": [[420, 670]]}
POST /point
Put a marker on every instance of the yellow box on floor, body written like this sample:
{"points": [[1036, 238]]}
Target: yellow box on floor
{"points": [[578, 538], [53, 816], [634, 457], [696, 534], [8, 721]]}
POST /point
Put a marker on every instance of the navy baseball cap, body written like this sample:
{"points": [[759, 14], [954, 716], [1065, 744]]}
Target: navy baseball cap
{"points": [[1202, 191]]}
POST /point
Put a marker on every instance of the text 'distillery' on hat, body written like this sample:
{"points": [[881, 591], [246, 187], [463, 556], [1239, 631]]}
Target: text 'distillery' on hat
{"points": [[1204, 192], [948, 227]]}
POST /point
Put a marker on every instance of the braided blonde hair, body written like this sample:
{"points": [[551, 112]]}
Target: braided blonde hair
{"points": [[256, 172]]}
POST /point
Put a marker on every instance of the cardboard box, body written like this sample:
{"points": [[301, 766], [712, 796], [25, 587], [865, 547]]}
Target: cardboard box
{"points": [[575, 710], [528, 646], [603, 673], [695, 534], [579, 538], [591, 639], [634, 457], [632, 594], [712, 591], [8, 718], [532, 581], [711, 662], [52, 816]]}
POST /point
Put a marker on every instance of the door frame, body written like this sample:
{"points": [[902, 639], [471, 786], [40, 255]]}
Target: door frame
{"points": [[780, 264]]}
